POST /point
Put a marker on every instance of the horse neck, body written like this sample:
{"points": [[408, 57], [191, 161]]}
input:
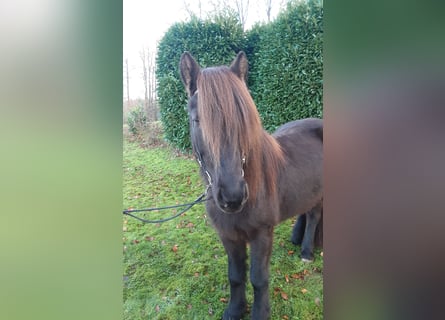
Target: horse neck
{"points": [[264, 167]]}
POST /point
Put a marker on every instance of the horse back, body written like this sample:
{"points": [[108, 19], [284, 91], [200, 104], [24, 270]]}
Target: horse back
{"points": [[305, 128]]}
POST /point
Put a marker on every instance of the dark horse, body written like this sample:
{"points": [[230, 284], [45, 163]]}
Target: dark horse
{"points": [[256, 180]]}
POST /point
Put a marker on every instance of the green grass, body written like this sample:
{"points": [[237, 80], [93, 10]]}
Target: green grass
{"points": [[178, 269]]}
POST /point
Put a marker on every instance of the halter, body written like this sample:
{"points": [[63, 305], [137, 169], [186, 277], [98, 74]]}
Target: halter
{"points": [[209, 178], [201, 164]]}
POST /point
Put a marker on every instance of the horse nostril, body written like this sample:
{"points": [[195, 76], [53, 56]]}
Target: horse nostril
{"points": [[231, 201]]}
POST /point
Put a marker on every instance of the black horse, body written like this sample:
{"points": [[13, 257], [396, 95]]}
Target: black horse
{"points": [[256, 180]]}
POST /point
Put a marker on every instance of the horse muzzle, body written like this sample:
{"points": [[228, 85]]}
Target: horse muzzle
{"points": [[232, 200]]}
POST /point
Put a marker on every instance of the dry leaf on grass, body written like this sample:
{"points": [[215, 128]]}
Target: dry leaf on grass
{"points": [[284, 295], [276, 291]]}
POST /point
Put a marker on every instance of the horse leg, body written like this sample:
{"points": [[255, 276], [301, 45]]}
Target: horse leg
{"points": [[312, 220], [298, 230], [260, 252], [236, 254], [318, 241]]}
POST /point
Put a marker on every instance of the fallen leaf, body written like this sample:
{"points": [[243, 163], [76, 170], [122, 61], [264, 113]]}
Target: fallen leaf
{"points": [[321, 253], [135, 241], [276, 291], [284, 295], [287, 278], [317, 301], [175, 248], [285, 317], [196, 274], [189, 306], [223, 300], [304, 291], [290, 252], [157, 308]]}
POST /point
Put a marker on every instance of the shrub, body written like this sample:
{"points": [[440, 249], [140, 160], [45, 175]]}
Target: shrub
{"points": [[213, 41], [137, 120], [287, 68]]}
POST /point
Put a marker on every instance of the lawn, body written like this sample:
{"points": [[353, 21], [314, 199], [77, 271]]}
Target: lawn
{"points": [[177, 269]]}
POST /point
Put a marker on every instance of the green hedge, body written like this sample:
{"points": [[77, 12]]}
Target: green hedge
{"points": [[285, 61], [212, 42], [287, 70]]}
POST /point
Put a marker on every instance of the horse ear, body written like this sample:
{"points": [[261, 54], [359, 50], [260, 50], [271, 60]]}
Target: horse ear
{"points": [[189, 70], [240, 66]]}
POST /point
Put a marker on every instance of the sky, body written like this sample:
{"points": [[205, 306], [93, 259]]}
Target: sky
{"points": [[146, 21]]}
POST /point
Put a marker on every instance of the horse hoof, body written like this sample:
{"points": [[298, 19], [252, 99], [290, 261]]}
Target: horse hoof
{"points": [[307, 260]]}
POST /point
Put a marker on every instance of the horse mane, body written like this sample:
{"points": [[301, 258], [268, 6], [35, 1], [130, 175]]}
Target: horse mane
{"points": [[229, 119]]}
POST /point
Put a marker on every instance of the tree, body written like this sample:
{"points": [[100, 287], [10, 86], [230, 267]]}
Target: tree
{"points": [[148, 75], [239, 7], [242, 8], [142, 55], [190, 11], [128, 81], [268, 9]]}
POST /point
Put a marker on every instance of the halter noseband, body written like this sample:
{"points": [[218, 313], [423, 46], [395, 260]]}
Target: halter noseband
{"points": [[201, 165], [209, 178]]}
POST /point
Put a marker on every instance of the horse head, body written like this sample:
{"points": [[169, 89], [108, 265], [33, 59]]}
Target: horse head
{"points": [[216, 129]]}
